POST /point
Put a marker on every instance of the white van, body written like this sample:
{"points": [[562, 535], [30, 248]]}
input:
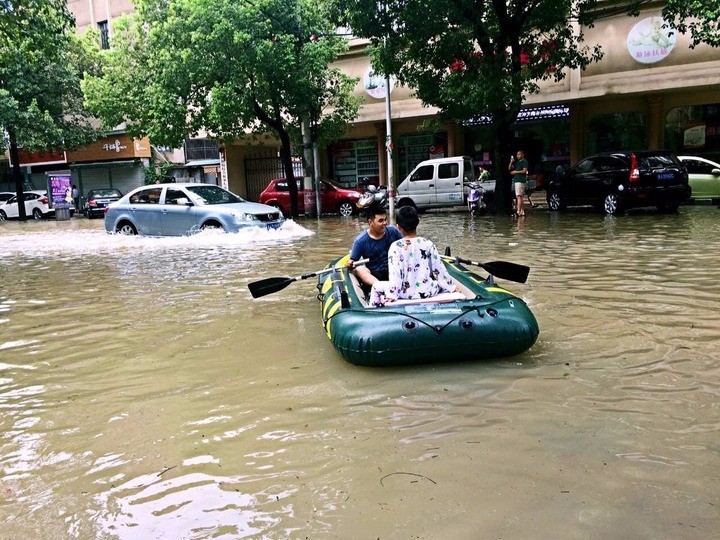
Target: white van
{"points": [[435, 183]]}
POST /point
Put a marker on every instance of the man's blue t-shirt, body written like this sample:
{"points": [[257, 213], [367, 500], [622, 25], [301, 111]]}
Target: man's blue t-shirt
{"points": [[365, 246]]}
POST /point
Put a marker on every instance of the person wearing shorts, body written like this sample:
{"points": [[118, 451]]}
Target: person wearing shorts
{"points": [[518, 169]]}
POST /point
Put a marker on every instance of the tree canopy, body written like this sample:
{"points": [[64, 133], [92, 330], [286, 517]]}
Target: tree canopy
{"points": [[700, 17], [180, 68], [42, 62], [471, 58]]}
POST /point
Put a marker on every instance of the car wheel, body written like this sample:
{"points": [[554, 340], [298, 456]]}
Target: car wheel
{"points": [[346, 209], [3, 216], [612, 204], [37, 213], [211, 225], [555, 201], [127, 228]]}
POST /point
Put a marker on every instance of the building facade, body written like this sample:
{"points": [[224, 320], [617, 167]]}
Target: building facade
{"points": [[650, 90]]}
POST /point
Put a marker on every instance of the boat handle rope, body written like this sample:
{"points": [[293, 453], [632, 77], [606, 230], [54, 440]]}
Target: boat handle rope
{"points": [[435, 329]]}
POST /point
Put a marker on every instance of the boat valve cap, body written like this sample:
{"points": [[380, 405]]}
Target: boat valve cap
{"points": [[467, 324], [492, 312], [409, 325]]}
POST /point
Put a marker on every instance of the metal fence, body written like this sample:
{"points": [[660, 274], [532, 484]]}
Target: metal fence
{"points": [[263, 167]]}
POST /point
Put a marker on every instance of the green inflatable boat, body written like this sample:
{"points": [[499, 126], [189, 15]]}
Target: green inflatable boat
{"points": [[481, 321]]}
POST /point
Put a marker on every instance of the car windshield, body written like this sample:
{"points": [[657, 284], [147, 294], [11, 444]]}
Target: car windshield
{"points": [[104, 193], [214, 195]]}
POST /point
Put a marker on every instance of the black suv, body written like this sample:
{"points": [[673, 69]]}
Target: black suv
{"points": [[616, 181]]}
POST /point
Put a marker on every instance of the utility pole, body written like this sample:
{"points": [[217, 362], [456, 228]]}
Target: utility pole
{"points": [[389, 151]]}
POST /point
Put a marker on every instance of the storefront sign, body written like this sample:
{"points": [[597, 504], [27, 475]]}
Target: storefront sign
{"points": [[375, 84], [223, 169], [60, 189], [648, 42], [40, 158], [436, 151], [115, 147]]}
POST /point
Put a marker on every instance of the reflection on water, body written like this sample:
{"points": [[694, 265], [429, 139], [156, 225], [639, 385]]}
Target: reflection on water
{"points": [[144, 394]]}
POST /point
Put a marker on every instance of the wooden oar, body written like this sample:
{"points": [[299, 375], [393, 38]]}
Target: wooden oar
{"points": [[275, 284], [500, 269]]}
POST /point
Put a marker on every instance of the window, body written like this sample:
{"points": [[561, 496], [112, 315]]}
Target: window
{"points": [[695, 166], [104, 34], [448, 170], [694, 129], [200, 149], [173, 195], [423, 173], [585, 166], [617, 131], [281, 186], [146, 196]]}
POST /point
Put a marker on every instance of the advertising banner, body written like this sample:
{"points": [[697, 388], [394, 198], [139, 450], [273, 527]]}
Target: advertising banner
{"points": [[59, 189]]}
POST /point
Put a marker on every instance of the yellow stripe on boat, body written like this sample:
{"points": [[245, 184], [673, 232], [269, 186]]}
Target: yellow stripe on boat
{"points": [[328, 304], [498, 289]]}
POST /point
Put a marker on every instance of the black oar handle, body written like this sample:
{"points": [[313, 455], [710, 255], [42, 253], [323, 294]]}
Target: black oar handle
{"points": [[332, 269]]}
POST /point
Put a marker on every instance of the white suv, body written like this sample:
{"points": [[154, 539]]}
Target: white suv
{"points": [[36, 206]]}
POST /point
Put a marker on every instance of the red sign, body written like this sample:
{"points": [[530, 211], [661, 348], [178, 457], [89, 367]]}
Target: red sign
{"points": [[41, 158]]}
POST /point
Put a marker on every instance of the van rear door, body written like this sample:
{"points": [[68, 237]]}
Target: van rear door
{"points": [[449, 186]]}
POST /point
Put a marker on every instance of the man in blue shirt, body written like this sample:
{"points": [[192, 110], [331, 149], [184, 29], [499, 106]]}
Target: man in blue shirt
{"points": [[374, 244]]}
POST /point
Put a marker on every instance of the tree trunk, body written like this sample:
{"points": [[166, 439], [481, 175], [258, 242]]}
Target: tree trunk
{"points": [[502, 123], [17, 174], [286, 156]]}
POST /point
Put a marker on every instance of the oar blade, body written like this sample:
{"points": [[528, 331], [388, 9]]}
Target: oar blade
{"points": [[507, 270], [269, 286]]}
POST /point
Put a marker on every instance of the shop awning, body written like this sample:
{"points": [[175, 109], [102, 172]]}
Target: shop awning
{"points": [[202, 162], [107, 164]]}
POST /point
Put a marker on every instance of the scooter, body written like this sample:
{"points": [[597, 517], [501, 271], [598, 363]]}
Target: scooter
{"points": [[476, 199], [374, 195]]}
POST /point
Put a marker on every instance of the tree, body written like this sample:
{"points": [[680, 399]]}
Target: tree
{"points": [[701, 17], [472, 58], [225, 68], [41, 64]]}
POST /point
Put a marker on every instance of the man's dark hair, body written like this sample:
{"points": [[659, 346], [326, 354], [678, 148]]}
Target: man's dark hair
{"points": [[375, 209], [407, 218]]}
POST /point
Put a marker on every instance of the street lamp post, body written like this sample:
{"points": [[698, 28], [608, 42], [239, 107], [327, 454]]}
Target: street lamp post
{"points": [[389, 151]]}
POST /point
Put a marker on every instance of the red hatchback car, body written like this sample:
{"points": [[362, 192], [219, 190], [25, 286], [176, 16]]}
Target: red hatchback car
{"points": [[333, 198]]}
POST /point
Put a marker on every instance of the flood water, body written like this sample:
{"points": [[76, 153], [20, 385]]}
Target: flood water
{"points": [[145, 394]]}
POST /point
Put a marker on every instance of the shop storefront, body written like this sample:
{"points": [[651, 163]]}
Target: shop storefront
{"points": [[694, 130], [543, 133], [116, 162]]}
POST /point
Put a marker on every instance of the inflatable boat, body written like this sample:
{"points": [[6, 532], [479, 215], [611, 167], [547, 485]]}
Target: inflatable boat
{"points": [[481, 321]]}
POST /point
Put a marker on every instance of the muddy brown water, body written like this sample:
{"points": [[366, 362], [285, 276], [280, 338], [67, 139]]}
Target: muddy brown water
{"points": [[145, 394]]}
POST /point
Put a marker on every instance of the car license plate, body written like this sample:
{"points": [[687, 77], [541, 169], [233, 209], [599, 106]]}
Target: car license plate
{"points": [[666, 176]]}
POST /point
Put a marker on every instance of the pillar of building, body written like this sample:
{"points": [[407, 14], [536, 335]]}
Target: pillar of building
{"points": [[655, 121], [578, 140]]}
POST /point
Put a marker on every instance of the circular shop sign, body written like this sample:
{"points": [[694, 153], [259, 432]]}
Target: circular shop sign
{"points": [[374, 84], [648, 42]]}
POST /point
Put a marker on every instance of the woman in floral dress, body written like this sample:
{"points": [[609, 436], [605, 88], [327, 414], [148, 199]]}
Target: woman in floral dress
{"points": [[414, 264]]}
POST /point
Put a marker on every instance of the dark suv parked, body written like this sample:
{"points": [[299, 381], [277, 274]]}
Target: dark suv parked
{"points": [[98, 199], [616, 181]]}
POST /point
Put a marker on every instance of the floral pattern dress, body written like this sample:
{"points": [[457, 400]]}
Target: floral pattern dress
{"points": [[415, 271]]}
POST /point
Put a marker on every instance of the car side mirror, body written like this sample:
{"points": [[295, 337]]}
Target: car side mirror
{"points": [[183, 201]]}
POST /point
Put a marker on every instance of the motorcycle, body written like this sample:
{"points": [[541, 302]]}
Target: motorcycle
{"points": [[476, 199], [374, 195]]}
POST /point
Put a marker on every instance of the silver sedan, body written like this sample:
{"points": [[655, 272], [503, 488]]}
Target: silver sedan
{"points": [[183, 209]]}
